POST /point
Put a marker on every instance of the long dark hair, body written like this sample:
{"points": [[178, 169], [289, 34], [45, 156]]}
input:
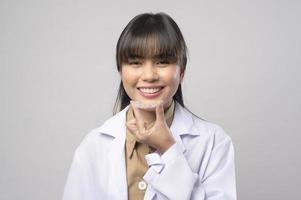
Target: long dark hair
{"points": [[147, 35]]}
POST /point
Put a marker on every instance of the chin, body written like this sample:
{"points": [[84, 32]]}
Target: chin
{"points": [[148, 105]]}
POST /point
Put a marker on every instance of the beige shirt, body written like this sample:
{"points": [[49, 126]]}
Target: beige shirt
{"points": [[135, 151]]}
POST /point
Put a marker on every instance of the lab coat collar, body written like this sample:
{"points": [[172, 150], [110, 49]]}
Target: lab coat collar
{"points": [[181, 125], [115, 125], [183, 121]]}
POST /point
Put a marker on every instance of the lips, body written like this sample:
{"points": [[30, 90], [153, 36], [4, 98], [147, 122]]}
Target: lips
{"points": [[150, 92]]}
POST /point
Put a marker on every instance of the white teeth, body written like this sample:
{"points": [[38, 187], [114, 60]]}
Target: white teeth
{"points": [[149, 90]]}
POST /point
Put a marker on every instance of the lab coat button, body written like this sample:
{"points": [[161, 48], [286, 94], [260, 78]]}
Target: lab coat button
{"points": [[142, 185]]}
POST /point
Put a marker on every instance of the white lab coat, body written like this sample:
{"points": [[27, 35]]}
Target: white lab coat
{"points": [[200, 166]]}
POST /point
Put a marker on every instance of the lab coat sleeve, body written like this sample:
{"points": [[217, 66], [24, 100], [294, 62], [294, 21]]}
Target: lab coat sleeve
{"points": [[172, 178], [219, 178], [78, 185], [170, 175]]}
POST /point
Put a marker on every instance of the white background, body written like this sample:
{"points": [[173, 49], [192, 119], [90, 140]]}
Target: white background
{"points": [[58, 80]]}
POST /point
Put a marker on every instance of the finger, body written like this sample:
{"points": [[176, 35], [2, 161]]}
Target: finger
{"points": [[132, 127], [160, 112], [138, 117], [134, 134], [149, 125], [133, 130], [131, 123]]}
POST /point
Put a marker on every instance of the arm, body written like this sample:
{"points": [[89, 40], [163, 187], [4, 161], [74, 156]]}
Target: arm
{"points": [[171, 176], [74, 180], [79, 184]]}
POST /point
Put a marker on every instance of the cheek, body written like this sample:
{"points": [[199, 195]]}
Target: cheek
{"points": [[128, 77], [129, 80], [173, 77], [177, 73]]}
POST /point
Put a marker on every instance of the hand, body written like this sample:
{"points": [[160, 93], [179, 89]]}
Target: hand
{"points": [[156, 134]]}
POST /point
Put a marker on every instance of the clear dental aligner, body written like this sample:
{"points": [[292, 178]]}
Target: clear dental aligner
{"points": [[139, 104]]}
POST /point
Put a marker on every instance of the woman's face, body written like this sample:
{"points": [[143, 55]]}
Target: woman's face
{"points": [[150, 80]]}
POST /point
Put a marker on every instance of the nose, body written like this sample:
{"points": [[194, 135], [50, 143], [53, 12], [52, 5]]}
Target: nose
{"points": [[149, 72]]}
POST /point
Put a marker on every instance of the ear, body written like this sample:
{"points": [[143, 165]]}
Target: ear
{"points": [[182, 74]]}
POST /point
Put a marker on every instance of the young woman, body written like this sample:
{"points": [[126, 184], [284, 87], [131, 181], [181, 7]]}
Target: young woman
{"points": [[153, 148]]}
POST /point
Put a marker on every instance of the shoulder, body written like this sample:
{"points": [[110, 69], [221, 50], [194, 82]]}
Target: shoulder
{"points": [[205, 129], [88, 143], [101, 136], [210, 129]]}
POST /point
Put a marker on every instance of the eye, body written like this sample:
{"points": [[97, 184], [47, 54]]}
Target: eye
{"points": [[134, 63], [163, 63]]}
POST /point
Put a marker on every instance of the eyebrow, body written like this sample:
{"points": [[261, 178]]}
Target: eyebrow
{"points": [[134, 56], [167, 56], [162, 55]]}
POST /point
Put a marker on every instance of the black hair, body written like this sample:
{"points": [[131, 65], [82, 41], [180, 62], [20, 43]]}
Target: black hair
{"points": [[150, 35]]}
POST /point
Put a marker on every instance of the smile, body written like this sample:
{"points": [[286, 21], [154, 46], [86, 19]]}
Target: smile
{"points": [[150, 92]]}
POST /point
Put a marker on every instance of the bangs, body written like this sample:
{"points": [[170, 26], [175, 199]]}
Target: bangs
{"points": [[149, 45]]}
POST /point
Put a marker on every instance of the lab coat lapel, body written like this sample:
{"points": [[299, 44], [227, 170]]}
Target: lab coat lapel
{"points": [[117, 184], [182, 125], [117, 170]]}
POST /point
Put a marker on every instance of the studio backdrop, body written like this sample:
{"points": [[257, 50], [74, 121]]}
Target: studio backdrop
{"points": [[58, 81]]}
